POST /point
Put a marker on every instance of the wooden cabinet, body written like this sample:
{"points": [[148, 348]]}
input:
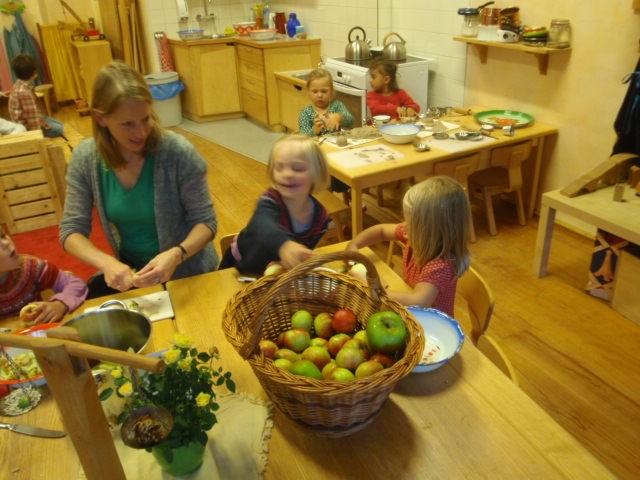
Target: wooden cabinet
{"points": [[87, 59], [209, 73], [293, 97]]}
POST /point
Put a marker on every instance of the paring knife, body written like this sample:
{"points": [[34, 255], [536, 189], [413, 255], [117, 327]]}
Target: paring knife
{"points": [[34, 431]]}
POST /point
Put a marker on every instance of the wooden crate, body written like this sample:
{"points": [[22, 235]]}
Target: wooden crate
{"points": [[30, 198]]}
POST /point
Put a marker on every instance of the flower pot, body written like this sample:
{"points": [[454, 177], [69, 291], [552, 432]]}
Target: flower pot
{"points": [[179, 461]]}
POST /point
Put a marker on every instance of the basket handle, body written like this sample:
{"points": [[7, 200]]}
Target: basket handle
{"points": [[299, 271]]}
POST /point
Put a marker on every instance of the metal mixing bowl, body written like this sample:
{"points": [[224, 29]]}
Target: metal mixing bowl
{"points": [[110, 327]]}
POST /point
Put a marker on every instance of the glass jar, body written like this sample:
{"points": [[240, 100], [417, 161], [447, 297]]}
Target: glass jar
{"points": [[470, 21], [559, 34]]}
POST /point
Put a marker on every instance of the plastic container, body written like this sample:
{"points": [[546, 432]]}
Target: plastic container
{"points": [[165, 89]]}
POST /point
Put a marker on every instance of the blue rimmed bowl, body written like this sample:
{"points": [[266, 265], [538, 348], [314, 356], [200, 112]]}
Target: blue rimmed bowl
{"points": [[399, 132]]}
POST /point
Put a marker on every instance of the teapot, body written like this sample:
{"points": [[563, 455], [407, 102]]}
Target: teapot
{"points": [[394, 50], [357, 49]]}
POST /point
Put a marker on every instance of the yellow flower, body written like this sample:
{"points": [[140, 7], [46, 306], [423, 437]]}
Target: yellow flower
{"points": [[126, 389], [185, 364], [203, 399], [181, 340], [171, 356], [116, 373]]}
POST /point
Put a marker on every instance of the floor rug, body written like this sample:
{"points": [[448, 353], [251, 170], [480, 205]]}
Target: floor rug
{"points": [[237, 134]]}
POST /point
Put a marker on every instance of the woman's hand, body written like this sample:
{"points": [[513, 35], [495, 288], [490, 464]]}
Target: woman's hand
{"points": [[46, 312], [292, 253], [118, 275], [159, 269]]}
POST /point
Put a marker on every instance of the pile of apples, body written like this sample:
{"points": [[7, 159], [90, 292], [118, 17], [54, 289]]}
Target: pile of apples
{"points": [[330, 347]]}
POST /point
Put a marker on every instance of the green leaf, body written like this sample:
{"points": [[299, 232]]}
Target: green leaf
{"points": [[122, 417], [193, 352], [231, 385], [220, 381], [202, 437], [204, 357], [227, 375], [106, 393]]}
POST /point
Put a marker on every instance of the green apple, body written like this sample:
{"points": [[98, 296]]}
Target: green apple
{"points": [[341, 375], [361, 336], [353, 343], [349, 358], [288, 354], [368, 368], [322, 325], [336, 342], [282, 363], [386, 332], [328, 368], [302, 319], [319, 342], [296, 339], [306, 368], [318, 355]]}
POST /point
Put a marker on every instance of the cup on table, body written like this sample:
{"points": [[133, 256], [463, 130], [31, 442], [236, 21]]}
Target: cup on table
{"points": [[380, 120]]}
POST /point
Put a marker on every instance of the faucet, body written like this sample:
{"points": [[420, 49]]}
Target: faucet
{"points": [[207, 15]]}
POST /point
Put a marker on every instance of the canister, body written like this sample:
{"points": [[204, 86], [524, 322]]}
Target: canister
{"points": [[559, 34]]}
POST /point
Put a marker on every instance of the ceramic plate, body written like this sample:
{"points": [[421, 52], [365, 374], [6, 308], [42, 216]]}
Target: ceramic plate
{"points": [[503, 118], [443, 337]]}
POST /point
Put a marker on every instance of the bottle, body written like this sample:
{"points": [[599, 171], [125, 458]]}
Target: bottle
{"points": [[292, 23], [265, 16]]}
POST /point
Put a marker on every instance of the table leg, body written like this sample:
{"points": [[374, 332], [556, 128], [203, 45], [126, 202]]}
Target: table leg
{"points": [[356, 211], [543, 241], [533, 196]]}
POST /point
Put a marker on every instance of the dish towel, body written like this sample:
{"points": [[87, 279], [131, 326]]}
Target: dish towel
{"points": [[237, 447]]}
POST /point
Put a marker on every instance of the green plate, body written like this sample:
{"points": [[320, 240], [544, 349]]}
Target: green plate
{"points": [[493, 117]]}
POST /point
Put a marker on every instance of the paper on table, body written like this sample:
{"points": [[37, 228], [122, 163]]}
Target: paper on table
{"points": [[428, 130], [453, 145], [358, 157], [351, 142], [156, 306]]}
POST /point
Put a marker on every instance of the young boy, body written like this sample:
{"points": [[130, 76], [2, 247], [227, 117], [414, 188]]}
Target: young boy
{"points": [[22, 101]]}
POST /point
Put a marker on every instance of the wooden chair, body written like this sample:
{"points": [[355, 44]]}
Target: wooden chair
{"points": [[503, 176], [336, 208], [480, 302]]}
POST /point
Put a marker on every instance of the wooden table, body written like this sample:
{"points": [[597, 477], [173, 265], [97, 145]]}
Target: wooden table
{"points": [[465, 420], [596, 208], [422, 164]]}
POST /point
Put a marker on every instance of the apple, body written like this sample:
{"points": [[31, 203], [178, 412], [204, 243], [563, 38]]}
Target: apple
{"points": [[368, 368], [385, 360], [386, 332], [359, 271], [349, 358], [268, 348], [341, 375], [306, 368], [302, 319], [280, 340], [319, 342], [361, 336], [322, 325], [283, 363], [288, 354], [296, 339], [344, 321], [274, 268], [318, 355], [353, 343], [336, 342], [328, 368]]}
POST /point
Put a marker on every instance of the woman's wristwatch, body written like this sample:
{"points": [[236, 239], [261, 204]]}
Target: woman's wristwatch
{"points": [[183, 253]]}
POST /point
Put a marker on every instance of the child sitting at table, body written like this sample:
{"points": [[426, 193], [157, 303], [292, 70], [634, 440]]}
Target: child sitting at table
{"points": [[325, 114], [288, 222], [434, 239], [386, 98], [22, 280]]}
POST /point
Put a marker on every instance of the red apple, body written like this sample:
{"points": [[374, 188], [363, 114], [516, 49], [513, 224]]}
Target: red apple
{"points": [[328, 368], [288, 354], [336, 342], [318, 355], [341, 375], [344, 321], [296, 339], [322, 325], [268, 348], [386, 332], [319, 342], [368, 368], [280, 340], [349, 358], [385, 360], [302, 319]]}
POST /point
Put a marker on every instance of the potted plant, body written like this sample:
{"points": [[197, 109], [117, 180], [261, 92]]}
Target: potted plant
{"points": [[183, 392]]}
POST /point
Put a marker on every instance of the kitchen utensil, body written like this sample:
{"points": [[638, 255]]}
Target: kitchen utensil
{"points": [[471, 19], [357, 49], [263, 34], [394, 50], [507, 36], [33, 431], [443, 337], [376, 51], [399, 133], [380, 120], [421, 146], [191, 34], [243, 28], [501, 118]]}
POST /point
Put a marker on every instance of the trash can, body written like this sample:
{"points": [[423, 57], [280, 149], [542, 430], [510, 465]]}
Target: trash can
{"points": [[165, 89]]}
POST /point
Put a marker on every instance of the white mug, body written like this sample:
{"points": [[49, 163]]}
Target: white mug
{"points": [[507, 36]]}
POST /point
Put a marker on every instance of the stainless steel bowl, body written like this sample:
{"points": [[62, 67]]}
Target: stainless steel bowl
{"points": [[191, 34], [110, 327]]}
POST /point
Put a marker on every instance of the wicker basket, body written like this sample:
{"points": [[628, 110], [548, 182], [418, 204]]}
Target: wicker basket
{"points": [[264, 310]]}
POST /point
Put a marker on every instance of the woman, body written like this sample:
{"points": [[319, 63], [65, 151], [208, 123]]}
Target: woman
{"points": [[149, 187]]}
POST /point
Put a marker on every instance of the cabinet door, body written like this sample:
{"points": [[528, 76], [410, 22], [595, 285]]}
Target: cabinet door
{"points": [[215, 77], [293, 98]]}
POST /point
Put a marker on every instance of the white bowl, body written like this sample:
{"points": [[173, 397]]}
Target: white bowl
{"points": [[263, 34], [380, 120], [443, 337], [399, 133]]}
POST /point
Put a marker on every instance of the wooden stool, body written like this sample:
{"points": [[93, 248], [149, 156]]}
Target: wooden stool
{"points": [[335, 209], [503, 176], [44, 91]]}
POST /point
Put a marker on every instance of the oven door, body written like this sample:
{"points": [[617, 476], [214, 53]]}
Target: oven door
{"points": [[354, 99]]}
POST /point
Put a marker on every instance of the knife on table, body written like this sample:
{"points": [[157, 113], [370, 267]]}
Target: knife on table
{"points": [[34, 431]]}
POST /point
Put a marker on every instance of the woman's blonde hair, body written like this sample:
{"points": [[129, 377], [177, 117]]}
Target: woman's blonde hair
{"points": [[318, 74], [437, 215], [309, 150], [115, 83]]}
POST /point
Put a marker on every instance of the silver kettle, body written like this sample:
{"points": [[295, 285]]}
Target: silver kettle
{"points": [[357, 49], [394, 50]]}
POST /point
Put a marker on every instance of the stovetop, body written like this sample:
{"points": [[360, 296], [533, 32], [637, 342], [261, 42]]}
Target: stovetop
{"points": [[367, 63]]}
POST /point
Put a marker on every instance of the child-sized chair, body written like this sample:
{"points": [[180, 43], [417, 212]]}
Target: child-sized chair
{"points": [[503, 176]]}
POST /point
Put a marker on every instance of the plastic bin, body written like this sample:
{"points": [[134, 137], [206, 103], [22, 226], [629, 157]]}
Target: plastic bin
{"points": [[165, 89]]}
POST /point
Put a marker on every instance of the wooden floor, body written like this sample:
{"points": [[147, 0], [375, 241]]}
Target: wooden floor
{"points": [[573, 354]]}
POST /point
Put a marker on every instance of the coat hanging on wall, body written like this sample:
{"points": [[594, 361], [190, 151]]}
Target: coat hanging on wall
{"points": [[627, 124], [18, 41]]}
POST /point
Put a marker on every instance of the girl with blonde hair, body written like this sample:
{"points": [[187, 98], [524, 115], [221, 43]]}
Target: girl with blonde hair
{"points": [[288, 222], [434, 239], [149, 187]]}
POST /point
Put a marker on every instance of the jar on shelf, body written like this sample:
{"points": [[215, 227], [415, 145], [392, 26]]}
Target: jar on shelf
{"points": [[470, 21], [559, 34]]}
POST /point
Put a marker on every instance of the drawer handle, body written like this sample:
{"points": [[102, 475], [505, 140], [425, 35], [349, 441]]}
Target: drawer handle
{"points": [[297, 87]]}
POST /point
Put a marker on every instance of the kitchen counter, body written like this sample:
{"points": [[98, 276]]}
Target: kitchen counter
{"points": [[279, 42]]}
